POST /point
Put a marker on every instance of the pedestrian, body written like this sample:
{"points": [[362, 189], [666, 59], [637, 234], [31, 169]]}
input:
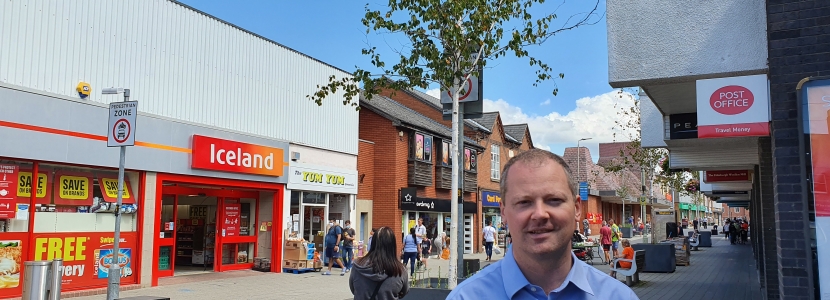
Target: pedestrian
{"points": [[489, 234], [540, 206], [420, 234], [369, 242], [332, 240], [605, 241], [379, 274], [616, 234], [426, 247], [347, 253], [694, 224], [586, 230], [410, 250], [438, 244]]}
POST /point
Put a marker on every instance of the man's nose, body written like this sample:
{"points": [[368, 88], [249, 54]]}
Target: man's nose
{"points": [[540, 212]]}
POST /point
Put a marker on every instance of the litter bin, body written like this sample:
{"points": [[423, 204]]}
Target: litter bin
{"points": [[42, 279]]}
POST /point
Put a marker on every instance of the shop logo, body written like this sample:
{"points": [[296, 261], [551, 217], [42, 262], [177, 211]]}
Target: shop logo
{"points": [[230, 156], [731, 100]]}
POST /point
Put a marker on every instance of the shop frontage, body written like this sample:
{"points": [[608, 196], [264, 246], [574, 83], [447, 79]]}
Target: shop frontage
{"points": [[436, 216], [319, 194]]}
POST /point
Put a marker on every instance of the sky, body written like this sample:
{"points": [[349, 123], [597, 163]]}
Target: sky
{"points": [[585, 107]]}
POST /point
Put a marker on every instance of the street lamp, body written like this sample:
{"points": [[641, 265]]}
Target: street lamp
{"points": [[114, 273]]}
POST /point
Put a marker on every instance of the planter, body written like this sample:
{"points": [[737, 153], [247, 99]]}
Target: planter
{"points": [[660, 258], [471, 266], [626, 232]]}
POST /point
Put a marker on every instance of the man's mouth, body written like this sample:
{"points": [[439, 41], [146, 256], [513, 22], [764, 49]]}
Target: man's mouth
{"points": [[539, 231]]}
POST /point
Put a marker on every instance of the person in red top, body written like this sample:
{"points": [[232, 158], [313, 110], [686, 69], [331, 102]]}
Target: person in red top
{"points": [[627, 253], [605, 241]]}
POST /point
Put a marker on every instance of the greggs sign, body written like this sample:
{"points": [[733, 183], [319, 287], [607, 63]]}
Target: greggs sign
{"points": [[230, 156]]}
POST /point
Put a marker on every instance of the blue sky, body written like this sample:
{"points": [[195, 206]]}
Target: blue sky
{"points": [[585, 106]]}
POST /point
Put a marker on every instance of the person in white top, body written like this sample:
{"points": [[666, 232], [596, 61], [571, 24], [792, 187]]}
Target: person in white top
{"points": [[420, 234], [489, 234]]}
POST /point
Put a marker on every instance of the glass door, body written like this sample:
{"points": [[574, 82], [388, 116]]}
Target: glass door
{"points": [[313, 222], [166, 239], [235, 235]]}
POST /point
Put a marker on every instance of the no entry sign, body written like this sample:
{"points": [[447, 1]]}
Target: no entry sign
{"points": [[121, 129]]}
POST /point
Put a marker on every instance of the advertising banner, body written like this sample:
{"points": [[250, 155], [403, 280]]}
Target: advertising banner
{"points": [[24, 187], [109, 189], [73, 188], [594, 218], [490, 199], [8, 191], [726, 176], [733, 106], [86, 256], [815, 111]]}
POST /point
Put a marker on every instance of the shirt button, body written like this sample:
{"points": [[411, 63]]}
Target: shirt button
{"points": [[533, 289]]}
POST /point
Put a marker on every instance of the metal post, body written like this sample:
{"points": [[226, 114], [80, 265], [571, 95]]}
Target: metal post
{"points": [[35, 280], [114, 273], [460, 232]]}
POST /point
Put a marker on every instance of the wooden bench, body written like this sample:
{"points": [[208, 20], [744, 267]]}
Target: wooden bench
{"points": [[632, 275]]}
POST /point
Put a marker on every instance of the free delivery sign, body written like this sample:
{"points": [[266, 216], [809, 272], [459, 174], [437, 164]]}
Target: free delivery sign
{"points": [[733, 107]]}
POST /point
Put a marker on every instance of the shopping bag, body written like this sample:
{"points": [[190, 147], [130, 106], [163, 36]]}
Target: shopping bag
{"points": [[497, 250]]}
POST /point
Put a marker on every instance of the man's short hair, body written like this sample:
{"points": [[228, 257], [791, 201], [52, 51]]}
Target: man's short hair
{"points": [[347, 222], [537, 157], [488, 222]]}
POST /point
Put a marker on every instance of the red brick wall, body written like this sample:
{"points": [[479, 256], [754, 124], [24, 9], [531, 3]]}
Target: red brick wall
{"points": [[366, 170], [729, 212]]}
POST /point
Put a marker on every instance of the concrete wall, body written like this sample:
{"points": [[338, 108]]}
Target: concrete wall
{"points": [[148, 229], [652, 130], [645, 38]]}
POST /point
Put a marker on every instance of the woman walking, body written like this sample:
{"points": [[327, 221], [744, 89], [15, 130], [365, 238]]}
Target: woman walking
{"points": [[379, 274], [410, 250]]}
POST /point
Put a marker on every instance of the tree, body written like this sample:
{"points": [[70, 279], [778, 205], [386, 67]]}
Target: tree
{"points": [[449, 41]]}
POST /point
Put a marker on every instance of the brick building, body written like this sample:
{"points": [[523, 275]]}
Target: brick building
{"points": [[401, 167], [736, 212]]}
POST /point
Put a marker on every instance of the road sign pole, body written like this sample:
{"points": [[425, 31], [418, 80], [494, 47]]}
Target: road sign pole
{"points": [[459, 244], [114, 273]]}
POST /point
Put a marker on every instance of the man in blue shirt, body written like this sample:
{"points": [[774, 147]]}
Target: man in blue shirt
{"points": [[542, 207], [335, 232]]}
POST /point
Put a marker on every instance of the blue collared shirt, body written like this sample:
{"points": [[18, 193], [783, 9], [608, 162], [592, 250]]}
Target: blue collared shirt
{"points": [[504, 280]]}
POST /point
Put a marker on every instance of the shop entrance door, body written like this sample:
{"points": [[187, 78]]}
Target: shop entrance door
{"points": [[314, 221]]}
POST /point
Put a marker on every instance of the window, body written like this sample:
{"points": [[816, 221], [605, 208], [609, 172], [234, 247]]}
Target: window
{"points": [[470, 160], [495, 163], [737, 209], [446, 154], [422, 147]]}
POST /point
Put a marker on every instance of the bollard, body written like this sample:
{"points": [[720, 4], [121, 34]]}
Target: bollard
{"points": [[55, 279], [35, 280]]}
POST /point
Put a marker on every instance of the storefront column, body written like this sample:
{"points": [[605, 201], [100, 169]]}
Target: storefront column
{"points": [[148, 229]]}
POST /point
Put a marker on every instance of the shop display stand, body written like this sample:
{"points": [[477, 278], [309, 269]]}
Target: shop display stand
{"points": [[195, 243], [185, 235]]}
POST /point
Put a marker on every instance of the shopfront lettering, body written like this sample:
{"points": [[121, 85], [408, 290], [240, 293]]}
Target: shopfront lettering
{"points": [[240, 158], [493, 199], [67, 248], [110, 240], [319, 178], [74, 187], [428, 205]]}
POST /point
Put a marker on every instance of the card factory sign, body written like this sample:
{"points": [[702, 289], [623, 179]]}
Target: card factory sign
{"points": [[733, 107], [322, 179]]}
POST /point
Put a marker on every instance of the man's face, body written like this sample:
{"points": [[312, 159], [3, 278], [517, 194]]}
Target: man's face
{"points": [[540, 209], [420, 221]]}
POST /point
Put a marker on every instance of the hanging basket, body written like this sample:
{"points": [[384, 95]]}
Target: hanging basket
{"points": [[692, 186]]}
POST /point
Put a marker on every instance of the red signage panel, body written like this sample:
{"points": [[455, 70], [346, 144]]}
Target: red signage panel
{"points": [[73, 188], [8, 191], [87, 256], [728, 175], [230, 219], [733, 130], [230, 156]]}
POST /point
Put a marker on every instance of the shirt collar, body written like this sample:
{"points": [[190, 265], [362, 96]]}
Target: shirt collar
{"points": [[514, 279]]}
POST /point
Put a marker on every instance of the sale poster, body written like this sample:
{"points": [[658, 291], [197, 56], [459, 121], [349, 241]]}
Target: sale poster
{"points": [[8, 188], [109, 189], [24, 187], [230, 222], [86, 256], [73, 188]]}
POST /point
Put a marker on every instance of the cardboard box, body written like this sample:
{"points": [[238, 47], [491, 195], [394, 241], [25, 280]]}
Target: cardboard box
{"points": [[317, 264], [295, 264], [299, 254], [294, 244]]}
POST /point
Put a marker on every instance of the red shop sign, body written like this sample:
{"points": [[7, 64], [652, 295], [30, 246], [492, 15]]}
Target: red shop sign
{"points": [[24, 187], [230, 219], [8, 191], [230, 156], [727, 175], [73, 188], [87, 256]]}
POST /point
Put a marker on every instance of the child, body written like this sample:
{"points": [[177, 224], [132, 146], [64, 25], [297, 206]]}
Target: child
{"points": [[627, 253]]}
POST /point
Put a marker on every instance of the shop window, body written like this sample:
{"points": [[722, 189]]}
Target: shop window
{"points": [[339, 207], [470, 158], [247, 217], [241, 253], [446, 153], [495, 162], [314, 198], [421, 147], [17, 183], [81, 199]]}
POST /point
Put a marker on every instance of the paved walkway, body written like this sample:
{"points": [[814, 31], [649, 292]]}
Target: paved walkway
{"points": [[723, 271]]}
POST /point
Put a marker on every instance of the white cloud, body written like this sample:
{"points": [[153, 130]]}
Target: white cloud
{"points": [[594, 117]]}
